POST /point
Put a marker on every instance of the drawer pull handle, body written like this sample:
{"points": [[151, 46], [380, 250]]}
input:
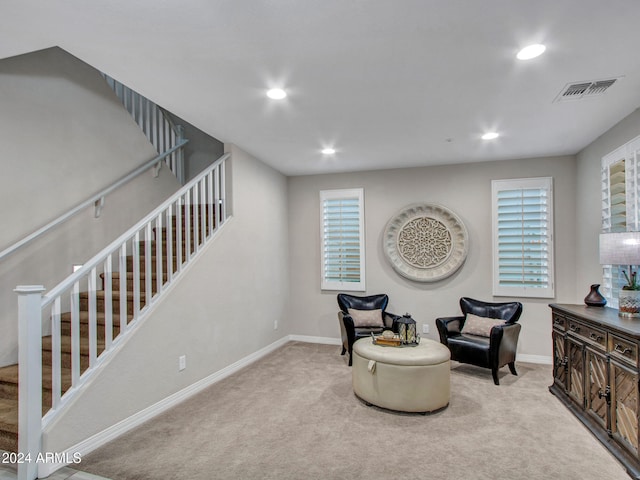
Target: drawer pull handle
{"points": [[618, 348], [595, 336], [606, 394], [574, 328]]}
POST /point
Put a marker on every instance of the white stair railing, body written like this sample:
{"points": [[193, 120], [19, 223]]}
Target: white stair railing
{"points": [[154, 122], [94, 321]]}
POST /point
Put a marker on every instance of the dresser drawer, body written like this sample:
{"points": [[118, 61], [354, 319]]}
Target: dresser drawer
{"points": [[587, 333], [559, 322], [623, 348]]}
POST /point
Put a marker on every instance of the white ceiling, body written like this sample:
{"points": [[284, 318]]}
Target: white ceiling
{"points": [[387, 83]]}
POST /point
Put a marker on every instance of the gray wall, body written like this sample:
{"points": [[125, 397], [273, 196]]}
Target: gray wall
{"points": [[589, 197], [466, 190], [63, 137], [222, 309], [201, 151]]}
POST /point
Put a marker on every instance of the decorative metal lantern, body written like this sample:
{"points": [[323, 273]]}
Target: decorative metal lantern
{"points": [[407, 329]]}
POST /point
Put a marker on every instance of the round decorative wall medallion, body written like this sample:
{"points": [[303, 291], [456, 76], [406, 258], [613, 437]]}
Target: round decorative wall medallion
{"points": [[425, 242]]}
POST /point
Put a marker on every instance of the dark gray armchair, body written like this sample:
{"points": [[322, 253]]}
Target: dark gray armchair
{"points": [[356, 318], [494, 351]]}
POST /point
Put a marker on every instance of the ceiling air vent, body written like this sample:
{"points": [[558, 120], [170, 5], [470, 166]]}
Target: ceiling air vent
{"points": [[576, 91]]}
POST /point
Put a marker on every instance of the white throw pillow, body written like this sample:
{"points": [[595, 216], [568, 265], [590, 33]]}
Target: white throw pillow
{"points": [[481, 326], [366, 318]]}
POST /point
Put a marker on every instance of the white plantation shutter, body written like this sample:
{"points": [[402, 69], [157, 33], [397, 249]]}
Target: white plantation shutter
{"points": [[523, 237], [618, 200], [342, 242], [620, 207]]}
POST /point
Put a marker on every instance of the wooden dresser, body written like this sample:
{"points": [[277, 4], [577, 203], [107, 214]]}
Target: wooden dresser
{"points": [[596, 372]]}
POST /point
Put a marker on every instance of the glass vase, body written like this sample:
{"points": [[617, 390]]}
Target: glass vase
{"points": [[629, 303]]}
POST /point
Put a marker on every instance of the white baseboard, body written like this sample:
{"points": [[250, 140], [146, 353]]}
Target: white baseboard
{"points": [[101, 438], [540, 359], [310, 339]]}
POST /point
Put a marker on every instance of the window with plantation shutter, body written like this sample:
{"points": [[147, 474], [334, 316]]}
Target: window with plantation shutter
{"points": [[523, 237], [620, 207], [342, 242]]}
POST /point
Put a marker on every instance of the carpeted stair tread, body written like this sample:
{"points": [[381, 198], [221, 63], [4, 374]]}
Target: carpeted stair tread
{"points": [[174, 228], [9, 374], [153, 261], [116, 300], [143, 275], [152, 246], [116, 278], [101, 330], [8, 442], [163, 248], [65, 345], [9, 415], [9, 377], [115, 295], [100, 318], [142, 257], [65, 377], [84, 317]]}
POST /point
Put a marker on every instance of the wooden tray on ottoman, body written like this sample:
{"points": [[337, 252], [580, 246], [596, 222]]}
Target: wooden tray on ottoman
{"points": [[387, 342]]}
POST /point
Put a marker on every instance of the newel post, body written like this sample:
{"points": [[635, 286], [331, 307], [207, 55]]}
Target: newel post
{"points": [[30, 378]]}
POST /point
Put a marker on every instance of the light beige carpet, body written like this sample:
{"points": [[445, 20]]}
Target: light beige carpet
{"points": [[293, 415]]}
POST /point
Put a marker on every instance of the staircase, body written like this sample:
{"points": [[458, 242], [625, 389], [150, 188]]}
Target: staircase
{"points": [[119, 297], [84, 320]]}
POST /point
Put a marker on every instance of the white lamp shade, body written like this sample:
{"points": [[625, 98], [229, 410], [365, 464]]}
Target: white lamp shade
{"points": [[620, 248]]}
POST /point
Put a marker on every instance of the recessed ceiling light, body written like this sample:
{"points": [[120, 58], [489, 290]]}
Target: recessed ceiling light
{"points": [[328, 151], [490, 136], [531, 51], [276, 94]]}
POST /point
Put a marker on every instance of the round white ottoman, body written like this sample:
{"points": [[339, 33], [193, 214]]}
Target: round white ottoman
{"points": [[407, 379]]}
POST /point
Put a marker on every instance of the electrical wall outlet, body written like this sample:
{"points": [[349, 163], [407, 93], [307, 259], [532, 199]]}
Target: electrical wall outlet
{"points": [[275, 324], [182, 362], [425, 328]]}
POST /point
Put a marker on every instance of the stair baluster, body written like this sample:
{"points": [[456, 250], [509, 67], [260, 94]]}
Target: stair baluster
{"points": [[155, 122]]}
